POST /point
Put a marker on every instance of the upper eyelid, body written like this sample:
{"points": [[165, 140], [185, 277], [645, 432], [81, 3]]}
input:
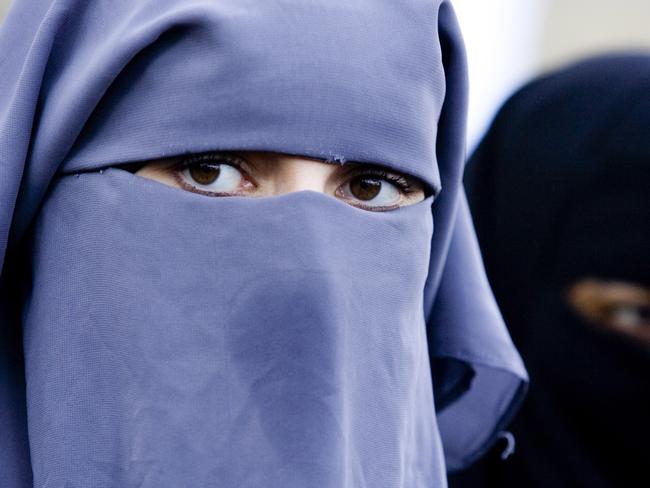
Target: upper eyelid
{"points": [[207, 158], [236, 161], [360, 168]]}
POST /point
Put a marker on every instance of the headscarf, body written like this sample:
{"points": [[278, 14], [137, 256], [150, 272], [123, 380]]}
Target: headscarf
{"points": [[172, 339], [559, 192]]}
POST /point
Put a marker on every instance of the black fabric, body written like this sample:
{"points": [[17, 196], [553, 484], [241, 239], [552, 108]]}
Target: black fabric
{"points": [[559, 190]]}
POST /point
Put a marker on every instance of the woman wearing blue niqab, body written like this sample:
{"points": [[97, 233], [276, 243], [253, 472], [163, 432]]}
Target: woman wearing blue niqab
{"points": [[174, 339]]}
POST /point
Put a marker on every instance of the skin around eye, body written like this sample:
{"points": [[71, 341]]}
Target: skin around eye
{"points": [[618, 306], [259, 174]]}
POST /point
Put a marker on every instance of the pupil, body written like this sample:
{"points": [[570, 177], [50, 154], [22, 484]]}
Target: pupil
{"points": [[365, 188], [204, 174]]}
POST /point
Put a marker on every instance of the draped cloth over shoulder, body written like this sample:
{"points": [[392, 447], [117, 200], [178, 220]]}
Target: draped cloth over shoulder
{"points": [[138, 347]]}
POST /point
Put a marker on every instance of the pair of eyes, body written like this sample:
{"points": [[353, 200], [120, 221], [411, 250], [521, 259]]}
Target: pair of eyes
{"points": [[367, 187]]}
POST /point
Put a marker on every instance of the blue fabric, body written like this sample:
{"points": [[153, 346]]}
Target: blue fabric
{"points": [[173, 339]]}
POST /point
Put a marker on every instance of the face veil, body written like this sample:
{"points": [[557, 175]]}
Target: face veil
{"points": [[559, 194], [154, 337]]}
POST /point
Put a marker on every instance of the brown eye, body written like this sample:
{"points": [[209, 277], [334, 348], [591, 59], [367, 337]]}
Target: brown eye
{"points": [[365, 188], [204, 173], [207, 177], [370, 192]]}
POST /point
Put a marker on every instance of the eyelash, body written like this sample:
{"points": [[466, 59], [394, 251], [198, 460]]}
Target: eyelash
{"points": [[400, 181]]}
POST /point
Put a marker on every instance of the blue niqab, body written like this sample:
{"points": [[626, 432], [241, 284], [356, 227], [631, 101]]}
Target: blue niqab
{"points": [[152, 337]]}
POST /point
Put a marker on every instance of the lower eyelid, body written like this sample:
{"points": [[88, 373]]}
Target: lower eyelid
{"points": [[378, 208]]}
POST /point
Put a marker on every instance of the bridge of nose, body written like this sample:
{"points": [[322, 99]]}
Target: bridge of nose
{"points": [[295, 174]]}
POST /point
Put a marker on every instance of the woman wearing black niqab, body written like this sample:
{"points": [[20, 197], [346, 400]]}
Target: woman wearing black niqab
{"points": [[560, 194]]}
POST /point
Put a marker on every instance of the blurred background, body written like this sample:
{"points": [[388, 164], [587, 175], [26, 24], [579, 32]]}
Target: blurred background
{"points": [[510, 41]]}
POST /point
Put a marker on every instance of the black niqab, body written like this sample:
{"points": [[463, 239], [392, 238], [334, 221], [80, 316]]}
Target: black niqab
{"points": [[559, 190]]}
